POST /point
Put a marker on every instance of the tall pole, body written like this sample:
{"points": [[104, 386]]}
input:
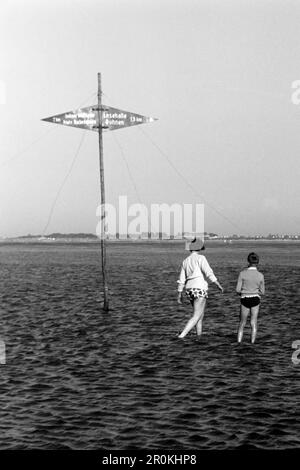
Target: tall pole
{"points": [[102, 189]]}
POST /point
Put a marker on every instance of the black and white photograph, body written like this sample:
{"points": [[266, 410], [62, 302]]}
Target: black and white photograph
{"points": [[149, 229]]}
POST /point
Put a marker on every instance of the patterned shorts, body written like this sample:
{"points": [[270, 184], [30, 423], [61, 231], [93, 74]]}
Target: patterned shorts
{"points": [[196, 293]]}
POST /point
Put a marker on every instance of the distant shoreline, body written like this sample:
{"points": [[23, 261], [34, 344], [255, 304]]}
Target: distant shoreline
{"points": [[93, 241]]}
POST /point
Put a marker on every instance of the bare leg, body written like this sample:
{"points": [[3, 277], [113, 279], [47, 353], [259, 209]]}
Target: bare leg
{"points": [[254, 314], [243, 319], [199, 306], [199, 322]]}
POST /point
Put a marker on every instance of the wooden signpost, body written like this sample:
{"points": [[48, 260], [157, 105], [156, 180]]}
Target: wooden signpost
{"points": [[100, 118]]}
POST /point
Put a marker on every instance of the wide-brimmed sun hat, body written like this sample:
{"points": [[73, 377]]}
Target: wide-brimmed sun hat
{"points": [[196, 244]]}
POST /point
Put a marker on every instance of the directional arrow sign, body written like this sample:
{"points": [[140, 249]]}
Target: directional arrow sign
{"points": [[87, 118]]}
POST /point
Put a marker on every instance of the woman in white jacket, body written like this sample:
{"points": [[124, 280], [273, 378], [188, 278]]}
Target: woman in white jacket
{"points": [[194, 272]]}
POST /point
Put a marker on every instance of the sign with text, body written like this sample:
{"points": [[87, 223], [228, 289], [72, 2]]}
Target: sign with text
{"points": [[88, 118]]}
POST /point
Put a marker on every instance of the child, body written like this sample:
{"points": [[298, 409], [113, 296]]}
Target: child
{"points": [[194, 271], [250, 286]]}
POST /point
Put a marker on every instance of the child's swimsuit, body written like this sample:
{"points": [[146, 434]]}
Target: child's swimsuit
{"points": [[250, 302], [250, 286]]}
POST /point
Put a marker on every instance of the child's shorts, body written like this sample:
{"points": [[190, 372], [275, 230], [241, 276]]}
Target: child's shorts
{"points": [[196, 293], [250, 302]]}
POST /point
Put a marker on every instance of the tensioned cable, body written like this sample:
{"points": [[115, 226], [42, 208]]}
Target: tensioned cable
{"points": [[188, 183], [129, 172], [31, 144], [235, 225], [64, 182], [124, 158], [183, 178], [178, 173], [175, 267], [18, 154], [127, 166]]}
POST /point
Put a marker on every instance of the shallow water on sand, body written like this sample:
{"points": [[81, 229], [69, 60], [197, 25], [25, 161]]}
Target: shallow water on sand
{"points": [[78, 378]]}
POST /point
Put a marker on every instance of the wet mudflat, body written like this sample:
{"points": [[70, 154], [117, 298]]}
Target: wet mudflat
{"points": [[78, 378]]}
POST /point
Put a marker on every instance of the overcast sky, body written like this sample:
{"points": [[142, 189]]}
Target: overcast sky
{"points": [[218, 76]]}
